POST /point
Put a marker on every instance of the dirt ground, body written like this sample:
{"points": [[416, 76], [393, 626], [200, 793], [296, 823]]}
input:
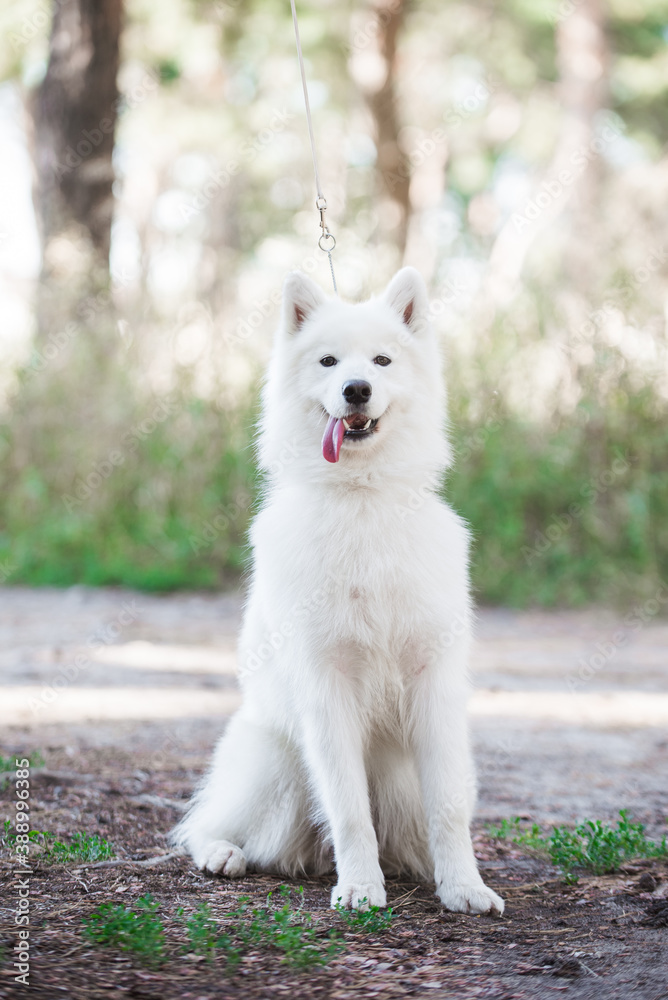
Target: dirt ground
{"points": [[124, 695]]}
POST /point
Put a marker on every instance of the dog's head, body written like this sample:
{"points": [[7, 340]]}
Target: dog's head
{"points": [[351, 385]]}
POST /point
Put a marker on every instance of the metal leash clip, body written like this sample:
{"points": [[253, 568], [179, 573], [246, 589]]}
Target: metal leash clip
{"points": [[327, 240], [321, 205]]}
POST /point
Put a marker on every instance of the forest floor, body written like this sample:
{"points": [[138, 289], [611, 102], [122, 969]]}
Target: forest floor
{"points": [[119, 698]]}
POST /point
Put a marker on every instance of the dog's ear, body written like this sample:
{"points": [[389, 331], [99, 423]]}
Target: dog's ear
{"points": [[301, 297], [407, 295]]}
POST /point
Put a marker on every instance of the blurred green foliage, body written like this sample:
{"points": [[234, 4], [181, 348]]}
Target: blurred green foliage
{"points": [[557, 391], [174, 514], [567, 517], [564, 515]]}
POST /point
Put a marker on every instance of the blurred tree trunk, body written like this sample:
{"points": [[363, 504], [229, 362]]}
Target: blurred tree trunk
{"points": [[574, 173], [75, 112], [583, 61], [392, 165]]}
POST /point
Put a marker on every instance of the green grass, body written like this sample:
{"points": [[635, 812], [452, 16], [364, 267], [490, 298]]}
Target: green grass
{"points": [[138, 931], [288, 929], [82, 847], [372, 920], [283, 927], [591, 846], [172, 515], [205, 938], [175, 512], [566, 515], [511, 829], [9, 763], [8, 837]]}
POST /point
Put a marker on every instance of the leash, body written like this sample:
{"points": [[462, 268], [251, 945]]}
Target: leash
{"points": [[327, 242]]}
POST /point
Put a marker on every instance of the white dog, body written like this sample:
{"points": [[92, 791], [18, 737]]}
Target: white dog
{"points": [[351, 742]]}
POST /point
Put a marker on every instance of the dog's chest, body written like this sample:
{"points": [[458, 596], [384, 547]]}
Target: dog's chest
{"points": [[356, 566], [363, 572]]}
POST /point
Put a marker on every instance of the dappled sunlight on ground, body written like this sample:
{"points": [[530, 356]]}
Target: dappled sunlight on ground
{"points": [[568, 715]]}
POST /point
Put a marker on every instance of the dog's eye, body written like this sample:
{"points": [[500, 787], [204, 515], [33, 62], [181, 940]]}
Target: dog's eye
{"points": [[380, 359], [327, 361]]}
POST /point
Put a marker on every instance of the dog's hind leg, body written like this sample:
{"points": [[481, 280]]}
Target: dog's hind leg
{"points": [[252, 808]]}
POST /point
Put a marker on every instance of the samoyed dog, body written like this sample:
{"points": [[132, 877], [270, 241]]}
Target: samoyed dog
{"points": [[351, 747]]}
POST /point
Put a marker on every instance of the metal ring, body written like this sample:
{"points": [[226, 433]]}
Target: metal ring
{"points": [[327, 236], [321, 204]]}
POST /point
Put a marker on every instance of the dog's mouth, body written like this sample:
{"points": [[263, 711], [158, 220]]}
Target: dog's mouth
{"points": [[358, 425], [354, 427]]}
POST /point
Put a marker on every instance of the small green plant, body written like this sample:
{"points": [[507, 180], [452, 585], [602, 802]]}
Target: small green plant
{"points": [[120, 927], [8, 837], [83, 847], [9, 763], [600, 847], [511, 829], [507, 829], [202, 930], [288, 929], [591, 846], [370, 921], [204, 937], [285, 928]]}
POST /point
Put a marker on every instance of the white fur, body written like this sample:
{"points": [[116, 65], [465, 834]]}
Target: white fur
{"points": [[351, 744]]}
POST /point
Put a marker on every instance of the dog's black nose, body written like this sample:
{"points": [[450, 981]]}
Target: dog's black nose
{"points": [[357, 392]]}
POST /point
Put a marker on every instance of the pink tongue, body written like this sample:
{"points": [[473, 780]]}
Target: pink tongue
{"points": [[332, 438]]}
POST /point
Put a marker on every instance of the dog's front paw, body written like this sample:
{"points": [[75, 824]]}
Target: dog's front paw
{"points": [[358, 895], [470, 897], [220, 857]]}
